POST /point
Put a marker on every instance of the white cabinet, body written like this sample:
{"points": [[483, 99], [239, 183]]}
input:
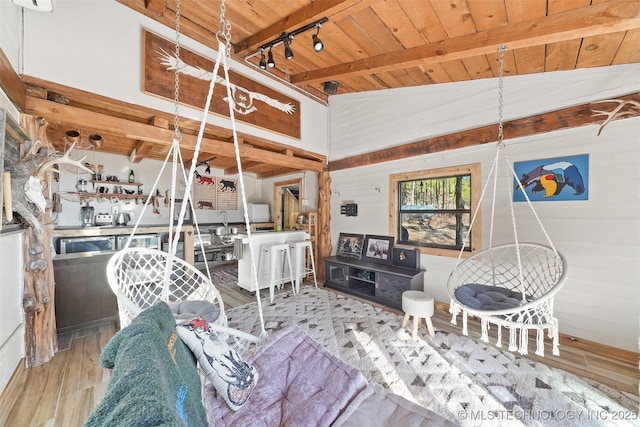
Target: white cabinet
{"points": [[11, 314]]}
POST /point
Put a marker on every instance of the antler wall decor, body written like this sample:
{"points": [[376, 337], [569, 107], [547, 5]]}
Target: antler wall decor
{"points": [[618, 112]]}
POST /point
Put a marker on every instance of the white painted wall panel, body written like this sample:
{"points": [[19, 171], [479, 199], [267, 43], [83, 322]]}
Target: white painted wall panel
{"points": [[599, 237], [96, 45], [146, 173]]}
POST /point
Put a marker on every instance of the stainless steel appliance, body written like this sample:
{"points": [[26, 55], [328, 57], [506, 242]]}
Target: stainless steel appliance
{"points": [[86, 216], [104, 219], [85, 246], [123, 218], [82, 294], [140, 241]]}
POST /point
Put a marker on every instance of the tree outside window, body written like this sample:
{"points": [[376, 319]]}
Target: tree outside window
{"points": [[433, 209]]}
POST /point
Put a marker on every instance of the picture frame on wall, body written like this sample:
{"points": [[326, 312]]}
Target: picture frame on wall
{"points": [[188, 215], [378, 248], [350, 245]]}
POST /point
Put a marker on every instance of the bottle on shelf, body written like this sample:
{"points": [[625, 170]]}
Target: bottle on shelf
{"points": [[132, 177]]}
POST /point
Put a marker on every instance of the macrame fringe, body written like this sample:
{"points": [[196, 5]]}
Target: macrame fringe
{"points": [[540, 343], [524, 341], [484, 327], [464, 323], [512, 339]]}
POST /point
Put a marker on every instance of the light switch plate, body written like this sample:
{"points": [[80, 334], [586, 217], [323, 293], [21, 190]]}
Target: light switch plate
{"points": [[114, 210]]}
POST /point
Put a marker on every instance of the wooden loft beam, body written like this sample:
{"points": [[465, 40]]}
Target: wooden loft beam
{"points": [[11, 83], [570, 117], [140, 152], [55, 112], [604, 18], [299, 18]]}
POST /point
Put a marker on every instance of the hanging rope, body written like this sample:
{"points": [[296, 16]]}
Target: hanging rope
{"points": [[225, 29]]}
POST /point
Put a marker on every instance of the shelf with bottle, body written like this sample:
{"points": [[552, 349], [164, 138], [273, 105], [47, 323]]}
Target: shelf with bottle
{"points": [[102, 181]]}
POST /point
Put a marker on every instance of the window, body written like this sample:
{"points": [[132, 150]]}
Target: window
{"points": [[432, 209]]}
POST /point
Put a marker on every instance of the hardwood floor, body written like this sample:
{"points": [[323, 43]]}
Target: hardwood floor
{"points": [[63, 392]]}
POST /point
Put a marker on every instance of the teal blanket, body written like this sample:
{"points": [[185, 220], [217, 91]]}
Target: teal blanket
{"points": [[155, 381]]}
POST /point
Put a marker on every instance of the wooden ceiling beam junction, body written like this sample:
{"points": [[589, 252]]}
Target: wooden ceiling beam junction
{"points": [[604, 18]]}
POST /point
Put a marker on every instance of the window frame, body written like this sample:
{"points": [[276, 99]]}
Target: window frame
{"points": [[474, 170]]}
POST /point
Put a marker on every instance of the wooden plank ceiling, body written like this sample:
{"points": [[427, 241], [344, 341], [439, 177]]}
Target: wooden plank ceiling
{"points": [[369, 45]]}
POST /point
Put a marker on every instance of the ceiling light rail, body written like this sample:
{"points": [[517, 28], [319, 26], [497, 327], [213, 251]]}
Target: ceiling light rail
{"points": [[286, 39]]}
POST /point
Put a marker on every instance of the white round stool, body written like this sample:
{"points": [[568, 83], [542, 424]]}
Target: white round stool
{"points": [[419, 305]]}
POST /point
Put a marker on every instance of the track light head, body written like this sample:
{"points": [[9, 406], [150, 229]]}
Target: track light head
{"points": [[208, 169], [317, 43], [263, 62], [288, 53], [270, 61]]}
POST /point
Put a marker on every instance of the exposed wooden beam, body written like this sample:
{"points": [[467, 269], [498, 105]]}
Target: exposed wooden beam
{"points": [[155, 6], [11, 83], [144, 132], [299, 18], [598, 19], [141, 151], [570, 117]]}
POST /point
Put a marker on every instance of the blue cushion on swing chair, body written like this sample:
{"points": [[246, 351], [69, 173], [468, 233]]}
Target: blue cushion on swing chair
{"points": [[486, 297]]}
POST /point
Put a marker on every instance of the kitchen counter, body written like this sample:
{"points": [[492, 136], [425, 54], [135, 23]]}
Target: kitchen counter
{"points": [[119, 230], [245, 274]]}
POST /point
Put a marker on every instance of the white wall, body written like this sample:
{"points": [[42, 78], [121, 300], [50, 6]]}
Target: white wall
{"points": [[96, 46], [147, 171], [11, 312], [599, 237]]}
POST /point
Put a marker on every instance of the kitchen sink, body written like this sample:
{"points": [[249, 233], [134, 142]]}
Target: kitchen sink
{"points": [[225, 231]]}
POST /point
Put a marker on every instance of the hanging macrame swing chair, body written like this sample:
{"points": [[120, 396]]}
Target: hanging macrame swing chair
{"points": [[509, 285], [142, 277]]}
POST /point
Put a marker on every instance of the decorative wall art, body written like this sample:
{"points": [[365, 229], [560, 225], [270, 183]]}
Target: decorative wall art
{"points": [[215, 193], [350, 245], [378, 248], [254, 103], [554, 179]]}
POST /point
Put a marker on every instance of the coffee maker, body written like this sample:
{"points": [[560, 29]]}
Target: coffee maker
{"points": [[86, 216]]}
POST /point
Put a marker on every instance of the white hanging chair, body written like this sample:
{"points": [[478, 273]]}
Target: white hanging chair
{"points": [[511, 285], [141, 277]]}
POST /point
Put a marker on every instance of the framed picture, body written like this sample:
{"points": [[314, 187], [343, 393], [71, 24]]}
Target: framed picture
{"points": [[350, 245], [554, 179], [188, 218], [378, 248]]}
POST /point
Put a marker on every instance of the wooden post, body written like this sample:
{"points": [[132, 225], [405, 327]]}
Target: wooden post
{"points": [[41, 342], [324, 221]]}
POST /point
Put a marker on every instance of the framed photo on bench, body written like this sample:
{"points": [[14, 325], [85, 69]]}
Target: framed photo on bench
{"points": [[378, 248], [350, 245]]}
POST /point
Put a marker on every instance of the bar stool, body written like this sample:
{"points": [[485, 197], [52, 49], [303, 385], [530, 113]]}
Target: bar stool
{"points": [[419, 305], [299, 250], [270, 254]]}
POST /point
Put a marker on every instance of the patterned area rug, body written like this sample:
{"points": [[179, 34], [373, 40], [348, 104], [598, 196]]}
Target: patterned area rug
{"points": [[225, 277], [470, 383]]}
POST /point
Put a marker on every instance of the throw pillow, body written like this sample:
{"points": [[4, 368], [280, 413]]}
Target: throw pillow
{"points": [[231, 376]]}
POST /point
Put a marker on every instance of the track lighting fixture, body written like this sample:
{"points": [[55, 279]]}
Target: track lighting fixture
{"points": [[270, 62], [208, 169], [288, 53], [317, 43], [286, 39], [263, 62]]}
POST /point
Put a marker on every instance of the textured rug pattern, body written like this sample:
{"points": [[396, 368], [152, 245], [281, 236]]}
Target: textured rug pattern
{"points": [[468, 382]]}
